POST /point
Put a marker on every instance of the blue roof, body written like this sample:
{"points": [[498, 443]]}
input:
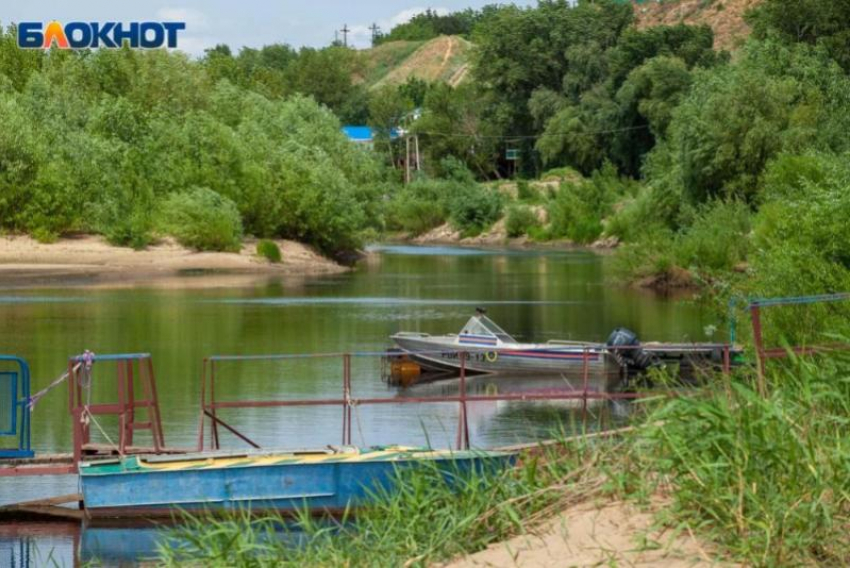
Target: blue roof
{"points": [[364, 133], [358, 133]]}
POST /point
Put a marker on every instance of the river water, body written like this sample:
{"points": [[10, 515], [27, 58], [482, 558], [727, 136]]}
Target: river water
{"points": [[535, 295]]}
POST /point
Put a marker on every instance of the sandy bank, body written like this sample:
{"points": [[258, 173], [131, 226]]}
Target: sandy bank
{"points": [[610, 534], [497, 235], [90, 260]]}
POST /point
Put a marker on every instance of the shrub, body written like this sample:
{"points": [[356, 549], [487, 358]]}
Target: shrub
{"points": [[524, 191], [420, 206], [577, 209], [572, 217], [520, 220], [717, 239], [418, 216], [651, 256], [474, 208], [202, 219], [269, 250]]}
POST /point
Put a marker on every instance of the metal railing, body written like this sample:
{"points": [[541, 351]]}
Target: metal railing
{"points": [[210, 405]]}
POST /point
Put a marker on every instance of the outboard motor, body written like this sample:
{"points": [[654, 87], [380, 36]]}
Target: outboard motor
{"points": [[625, 346]]}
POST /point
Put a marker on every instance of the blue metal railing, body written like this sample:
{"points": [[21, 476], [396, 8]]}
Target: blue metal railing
{"points": [[18, 406]]}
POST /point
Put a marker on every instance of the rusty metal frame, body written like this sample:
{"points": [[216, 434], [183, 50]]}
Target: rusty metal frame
{"points": [[763, 354], [209, 405], [132, 369]]}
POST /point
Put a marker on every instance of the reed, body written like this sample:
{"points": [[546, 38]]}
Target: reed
{"points": [[766, 479], [427, 517]]}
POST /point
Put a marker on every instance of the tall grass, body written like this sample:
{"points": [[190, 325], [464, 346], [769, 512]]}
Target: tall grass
{"points": [[427, 518], [765, 479]]}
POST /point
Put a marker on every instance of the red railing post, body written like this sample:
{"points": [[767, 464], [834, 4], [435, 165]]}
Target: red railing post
{"points": [[585, 372], [758, 341]]}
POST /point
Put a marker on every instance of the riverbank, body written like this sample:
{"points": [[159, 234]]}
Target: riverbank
{"points": [[599, 534], [497, 235], [88, 260]]}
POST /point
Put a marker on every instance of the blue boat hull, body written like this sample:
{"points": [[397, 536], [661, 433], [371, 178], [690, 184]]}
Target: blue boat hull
{"points": [[329, 486]]}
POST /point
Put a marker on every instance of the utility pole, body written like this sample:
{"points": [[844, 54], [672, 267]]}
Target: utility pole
{"points": [[345, 31], [407, 159]]}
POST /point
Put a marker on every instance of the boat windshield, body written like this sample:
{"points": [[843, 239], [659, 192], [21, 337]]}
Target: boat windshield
{"points": [[482, 325]]}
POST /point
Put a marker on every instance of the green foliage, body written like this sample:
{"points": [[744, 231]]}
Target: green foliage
{"points": [[578, 208], [524, 191], [269, 250], [420, 206], [203, 220], [737, 117], [802, 244], [718, 239], [99, 141], [825, 23], [521, 220], [765, 477], [474, 208], [452, 125]]}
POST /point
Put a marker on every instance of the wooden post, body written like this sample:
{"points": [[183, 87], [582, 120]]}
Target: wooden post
{"points": [[407, 159]]}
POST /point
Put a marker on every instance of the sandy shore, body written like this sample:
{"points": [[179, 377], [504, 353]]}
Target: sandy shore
{"points": [[607, 534], [91, 261]]}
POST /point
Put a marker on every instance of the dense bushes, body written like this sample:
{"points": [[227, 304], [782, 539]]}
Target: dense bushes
{"points": [[101, 141], [578, 208], [202, 219], [420, 206], [474, 208], [427, 203], [802, 245], [715, 242]]}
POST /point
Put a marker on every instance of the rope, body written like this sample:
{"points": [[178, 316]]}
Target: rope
{"points": [[84, 379], [88, 418], [352, 403], [59, 380]]}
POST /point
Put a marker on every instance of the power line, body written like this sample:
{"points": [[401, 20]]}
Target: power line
{"points": [[530, 136]]}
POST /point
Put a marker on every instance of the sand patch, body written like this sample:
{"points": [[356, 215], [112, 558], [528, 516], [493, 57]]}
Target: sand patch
{"points": [[90, 260], [610, 534]]}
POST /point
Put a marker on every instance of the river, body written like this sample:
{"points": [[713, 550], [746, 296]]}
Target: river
{"points": [[535, 295]]}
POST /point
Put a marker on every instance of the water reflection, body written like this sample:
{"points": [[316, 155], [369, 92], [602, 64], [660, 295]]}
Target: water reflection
{"points": [[535, 295]]}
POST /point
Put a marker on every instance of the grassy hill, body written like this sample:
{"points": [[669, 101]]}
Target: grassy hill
{"points": [[445, 58]]}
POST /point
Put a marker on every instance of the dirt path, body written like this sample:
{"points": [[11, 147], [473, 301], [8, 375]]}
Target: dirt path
{"points": [[611, 534], [90, 261], [449, 48]]}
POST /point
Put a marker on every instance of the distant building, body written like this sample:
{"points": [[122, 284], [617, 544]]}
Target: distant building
{"points": [[365, 134]]}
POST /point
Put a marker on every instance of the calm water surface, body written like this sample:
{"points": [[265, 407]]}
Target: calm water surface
{"points": [[534, 295]]}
